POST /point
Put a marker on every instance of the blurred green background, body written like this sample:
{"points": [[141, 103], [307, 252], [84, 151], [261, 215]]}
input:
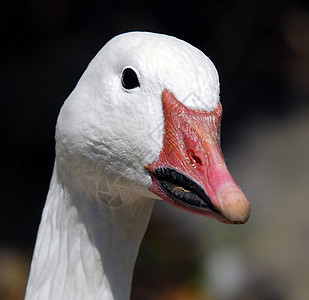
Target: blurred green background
{"points": [[261, 51]]}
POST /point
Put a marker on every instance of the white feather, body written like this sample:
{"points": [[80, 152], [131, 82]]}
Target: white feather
{"points": [[98, 205]]}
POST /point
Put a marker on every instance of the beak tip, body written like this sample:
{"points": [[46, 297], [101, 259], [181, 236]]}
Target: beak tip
{"points": [[234, 205], [238, 215]]}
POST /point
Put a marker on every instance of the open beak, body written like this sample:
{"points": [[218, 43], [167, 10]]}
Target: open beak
{"points": [[190, 172]]}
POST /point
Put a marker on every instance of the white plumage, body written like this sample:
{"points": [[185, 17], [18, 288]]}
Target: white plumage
{"points": [[99, 204]]}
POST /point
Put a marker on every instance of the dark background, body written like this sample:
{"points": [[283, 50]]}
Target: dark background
{"points": [[261, 51]]}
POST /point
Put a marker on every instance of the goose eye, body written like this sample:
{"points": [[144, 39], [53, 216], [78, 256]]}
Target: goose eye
{"points": [[129, 79]]}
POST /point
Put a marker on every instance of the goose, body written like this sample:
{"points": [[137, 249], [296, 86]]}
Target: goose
{"points": [[143, 123]]}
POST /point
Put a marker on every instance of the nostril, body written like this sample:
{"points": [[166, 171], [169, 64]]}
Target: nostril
{"points": [[194, 158]]}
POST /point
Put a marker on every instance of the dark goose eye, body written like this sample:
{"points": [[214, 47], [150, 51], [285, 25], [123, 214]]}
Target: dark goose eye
{"points": [[129, 79]]}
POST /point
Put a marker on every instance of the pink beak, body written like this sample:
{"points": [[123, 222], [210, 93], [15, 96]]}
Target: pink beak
{"points": [[190, 172]]}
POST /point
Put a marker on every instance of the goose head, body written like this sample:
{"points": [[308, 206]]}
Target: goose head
{"points": [[146, 113]]}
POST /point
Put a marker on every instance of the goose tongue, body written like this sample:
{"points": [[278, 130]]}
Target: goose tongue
{"points": [[190, 172]]}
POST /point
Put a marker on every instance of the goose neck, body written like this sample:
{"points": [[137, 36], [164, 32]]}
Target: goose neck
{"points": [[87, 245]]}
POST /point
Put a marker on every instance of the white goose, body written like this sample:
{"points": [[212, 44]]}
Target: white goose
{"points": [[142, 123]]}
